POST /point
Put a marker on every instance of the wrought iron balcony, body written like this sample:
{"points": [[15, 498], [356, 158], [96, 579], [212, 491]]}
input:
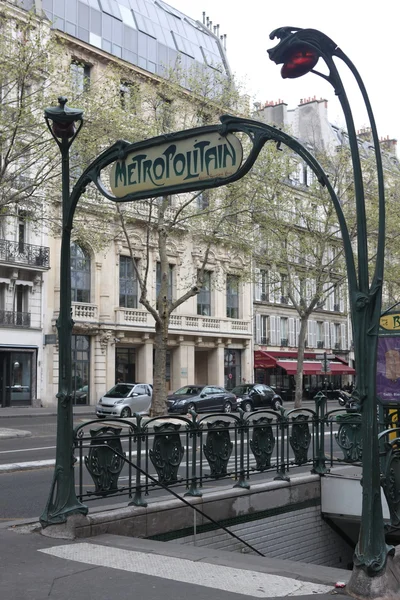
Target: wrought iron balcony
{"points": [[18, 253], [10, 318]]}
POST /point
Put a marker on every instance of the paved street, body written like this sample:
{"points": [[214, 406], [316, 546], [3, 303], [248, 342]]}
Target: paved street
{"points": [[27, 451]]}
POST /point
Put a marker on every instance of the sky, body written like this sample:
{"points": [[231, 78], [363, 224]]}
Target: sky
{"points": [[368, 32]]}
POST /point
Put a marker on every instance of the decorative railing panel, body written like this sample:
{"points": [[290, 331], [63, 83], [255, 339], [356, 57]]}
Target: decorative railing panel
{"points": [[199, 323], [18, 253], [10, 318], [81, 311], [189, 451]]}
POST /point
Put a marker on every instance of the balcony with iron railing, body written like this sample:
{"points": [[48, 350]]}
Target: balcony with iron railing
{"points": [[11, 318], [19, 253]]}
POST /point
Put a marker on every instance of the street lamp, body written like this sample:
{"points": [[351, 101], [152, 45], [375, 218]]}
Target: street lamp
{"points": [[299, 51], [64, 124]]}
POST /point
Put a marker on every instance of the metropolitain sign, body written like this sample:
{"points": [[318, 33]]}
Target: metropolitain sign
{"points": [[177, 163]]}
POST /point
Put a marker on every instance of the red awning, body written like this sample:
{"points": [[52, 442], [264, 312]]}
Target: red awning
{"points": [[266, 360], [314, 368], [341, 369], [309, 368], [263, 360]]}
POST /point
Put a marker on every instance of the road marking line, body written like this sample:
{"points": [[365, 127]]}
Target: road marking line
{"points": [[239, 581]]}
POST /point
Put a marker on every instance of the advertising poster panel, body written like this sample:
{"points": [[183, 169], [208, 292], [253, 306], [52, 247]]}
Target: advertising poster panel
{"points": [[388, 360]]}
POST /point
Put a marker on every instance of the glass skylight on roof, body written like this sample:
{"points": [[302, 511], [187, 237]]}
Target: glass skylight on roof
{"points": [[111, 8], [151, 11], [115, 23], [183, 45], [144, 24], [170, 9], [127, 16]]}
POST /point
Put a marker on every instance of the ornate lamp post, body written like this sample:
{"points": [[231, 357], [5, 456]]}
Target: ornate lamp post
{"points": [[64, 124], [298, 51]]}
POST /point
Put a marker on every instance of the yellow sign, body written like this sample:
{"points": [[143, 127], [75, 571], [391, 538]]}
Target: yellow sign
{"points": [[390, 322], [180, 162]]}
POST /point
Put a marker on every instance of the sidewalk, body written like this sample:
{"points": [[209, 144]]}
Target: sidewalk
{"points": [[120, 568], [29, 411]]}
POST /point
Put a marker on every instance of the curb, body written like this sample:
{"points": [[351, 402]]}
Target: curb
{"points": [[27, 466], [7, 434]]}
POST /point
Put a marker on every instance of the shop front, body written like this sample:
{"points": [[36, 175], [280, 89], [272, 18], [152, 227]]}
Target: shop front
{"points": [[18, 375], [278, 369]]}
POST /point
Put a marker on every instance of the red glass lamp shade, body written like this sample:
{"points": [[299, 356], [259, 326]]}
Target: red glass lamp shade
{"points": [[63, 130], [299, 61]]}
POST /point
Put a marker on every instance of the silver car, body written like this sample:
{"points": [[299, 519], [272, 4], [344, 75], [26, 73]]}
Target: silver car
{"points": [[125, 399]]}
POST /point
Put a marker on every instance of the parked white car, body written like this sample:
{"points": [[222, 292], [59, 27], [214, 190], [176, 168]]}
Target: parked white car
{"points": [[125, 399]]}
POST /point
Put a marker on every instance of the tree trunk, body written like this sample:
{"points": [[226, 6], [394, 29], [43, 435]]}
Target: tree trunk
{"points": [[300, 361], [158, 405]]}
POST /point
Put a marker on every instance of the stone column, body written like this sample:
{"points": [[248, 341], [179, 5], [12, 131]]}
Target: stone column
{"points": [[182, 365], [216, 364], [144, 363], [247, 362]]}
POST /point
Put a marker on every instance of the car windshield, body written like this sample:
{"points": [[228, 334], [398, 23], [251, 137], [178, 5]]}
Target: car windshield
{"points": [[121, 390], [188, 390], [240, 389]]}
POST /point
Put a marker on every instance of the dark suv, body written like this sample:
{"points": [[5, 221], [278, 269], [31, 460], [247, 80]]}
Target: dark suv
{"points": [[253, 396]]}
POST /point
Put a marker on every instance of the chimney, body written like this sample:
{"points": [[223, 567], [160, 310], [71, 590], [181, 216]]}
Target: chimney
{"points": [[388, 145], [311, 120], [365, 134], [272, 112]]}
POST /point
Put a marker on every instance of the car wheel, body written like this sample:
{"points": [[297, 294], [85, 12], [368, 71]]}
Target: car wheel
{"points": [[247, 406], [191, 406], [101, 416], [126, 412], [227, 407], [276, 403]]}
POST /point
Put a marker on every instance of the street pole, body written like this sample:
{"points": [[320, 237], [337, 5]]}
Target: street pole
{"points": [[62, 500], [299, 51]]}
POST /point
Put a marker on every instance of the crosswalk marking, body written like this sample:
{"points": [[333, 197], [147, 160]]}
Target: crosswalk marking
{"points": [[239, 581]]}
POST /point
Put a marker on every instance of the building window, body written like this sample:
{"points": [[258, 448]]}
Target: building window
{"points": [[284, 299], [170, 276], [80, 345], [125, 365], [264, 285], [165, 114], [21, 299], [80, 76], [264, 329], [204, 296], [128, 96], [128, 285], [203, 200], [337, 337], [320, 334], [232, 370], [232, 296], [336, 298], [21, 231], [284, 331], [80, 274]]}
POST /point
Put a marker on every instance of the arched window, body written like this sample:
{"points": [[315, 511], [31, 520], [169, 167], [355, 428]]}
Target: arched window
{"points": [[80, 274]]}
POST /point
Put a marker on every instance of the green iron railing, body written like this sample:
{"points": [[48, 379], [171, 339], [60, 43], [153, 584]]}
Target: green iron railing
{"points": [[188, 453]]}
